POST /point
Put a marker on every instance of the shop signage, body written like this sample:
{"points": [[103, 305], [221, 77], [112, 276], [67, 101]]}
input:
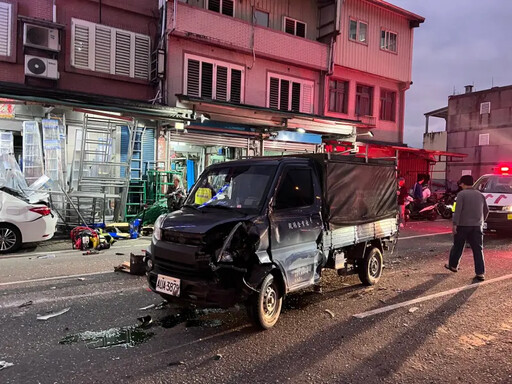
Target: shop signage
{"points": [[6, 111]]}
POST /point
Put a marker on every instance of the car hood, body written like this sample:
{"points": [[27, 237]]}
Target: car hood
{"points": [[191, 221]]}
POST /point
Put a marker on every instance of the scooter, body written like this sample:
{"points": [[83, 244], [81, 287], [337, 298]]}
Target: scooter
{"points": [[445, 205], [421, 211]]}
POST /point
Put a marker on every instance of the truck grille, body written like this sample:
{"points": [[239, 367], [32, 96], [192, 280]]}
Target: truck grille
{"points": [[182, 237]]}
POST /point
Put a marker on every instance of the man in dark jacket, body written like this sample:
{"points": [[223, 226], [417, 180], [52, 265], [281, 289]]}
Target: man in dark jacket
{"points": [[402, 197], [470, 214]]}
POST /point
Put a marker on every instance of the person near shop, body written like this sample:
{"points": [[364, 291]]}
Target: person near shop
{"points": [[402, 197], [470, 214], [175, 195], [417, 192]]}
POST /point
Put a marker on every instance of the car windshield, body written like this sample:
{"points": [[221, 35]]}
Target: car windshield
{"points": [[495, 184], [241, 187]]}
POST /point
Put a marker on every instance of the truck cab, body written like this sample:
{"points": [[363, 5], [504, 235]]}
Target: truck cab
{"points": [[497, 189]]}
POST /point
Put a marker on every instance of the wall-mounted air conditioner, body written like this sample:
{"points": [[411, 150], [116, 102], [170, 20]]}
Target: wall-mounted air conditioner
{"points": [[41, 37], [41, 67]]}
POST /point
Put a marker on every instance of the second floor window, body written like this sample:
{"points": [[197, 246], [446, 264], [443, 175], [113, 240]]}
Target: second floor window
{"points": [[294, 27], [290, 94], [226, 7], [261, 18], [387, 105], [212, 79], [104, 49], [338, 96], [364, 100], [5, 29], [358, 31], [388, 41]]}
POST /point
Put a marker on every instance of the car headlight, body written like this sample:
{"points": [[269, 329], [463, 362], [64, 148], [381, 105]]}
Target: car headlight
{"points": [[157, 230], [507, 208]]}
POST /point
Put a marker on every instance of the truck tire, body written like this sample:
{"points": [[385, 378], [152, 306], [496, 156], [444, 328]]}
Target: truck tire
{"points": [[265, 306], [370, 268]]}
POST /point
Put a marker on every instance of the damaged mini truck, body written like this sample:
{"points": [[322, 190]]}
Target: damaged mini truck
{"points": [[252, 231]]}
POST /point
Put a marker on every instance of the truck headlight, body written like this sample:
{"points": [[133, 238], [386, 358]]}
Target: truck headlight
{"points": [[157, 230], [507, 208]]}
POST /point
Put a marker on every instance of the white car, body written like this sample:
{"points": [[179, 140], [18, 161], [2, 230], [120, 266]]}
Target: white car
{"points": [[22, 222]]}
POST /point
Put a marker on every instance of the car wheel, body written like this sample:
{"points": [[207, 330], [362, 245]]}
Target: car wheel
{"points": [[370, 268], [10, 238], [265, 306]]}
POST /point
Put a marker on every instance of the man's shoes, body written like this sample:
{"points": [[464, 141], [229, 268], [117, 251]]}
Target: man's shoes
{"points": [[480, 277], [447, 266]]}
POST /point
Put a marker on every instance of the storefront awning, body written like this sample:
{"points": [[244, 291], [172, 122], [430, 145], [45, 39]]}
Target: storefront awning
{"points": [[271, 120], [126, 107]]}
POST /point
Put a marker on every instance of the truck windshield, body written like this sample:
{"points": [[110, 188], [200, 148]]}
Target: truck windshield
{"points": [[240, 187], [495, 184]]}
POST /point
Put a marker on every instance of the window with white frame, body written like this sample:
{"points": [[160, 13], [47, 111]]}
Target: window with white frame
{"points": [[388, 40], [225, 7], [357, 31], [261, 18], [294, 27], [110, 50], [213, 79], [5, 29], [290, 94]]}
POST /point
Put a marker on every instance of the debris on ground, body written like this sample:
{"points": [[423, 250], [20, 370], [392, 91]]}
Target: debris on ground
{"points": [[383, 301], [26, 304], [119, 254], [49, 256], [145, 321], [124, 267], [218, 356], [331, 313], [135, 266], [53, 288], [91, 252], [162, 305], [174, 363], [148, 307], [382, 289], [53, 314], [4, 364], [81, 278], [413, 309]]}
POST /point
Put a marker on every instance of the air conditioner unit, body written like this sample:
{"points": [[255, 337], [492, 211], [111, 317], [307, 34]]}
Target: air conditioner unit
{"points": [[41, 37], [41, 67]]}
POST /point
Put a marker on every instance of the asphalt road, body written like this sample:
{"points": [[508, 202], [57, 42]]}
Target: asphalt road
{"points": [[462, 334]]}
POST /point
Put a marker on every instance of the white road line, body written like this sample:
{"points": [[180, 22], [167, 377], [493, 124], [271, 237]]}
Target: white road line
{"points": [[55, 278], [74, 252], [427, 235], [15, 304], [429, 297]]}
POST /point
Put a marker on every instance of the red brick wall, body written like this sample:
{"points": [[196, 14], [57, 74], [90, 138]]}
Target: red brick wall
{"points": [[132, 15]]}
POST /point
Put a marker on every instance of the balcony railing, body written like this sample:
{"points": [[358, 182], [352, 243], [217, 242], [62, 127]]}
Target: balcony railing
{"points": [[233, 33]]}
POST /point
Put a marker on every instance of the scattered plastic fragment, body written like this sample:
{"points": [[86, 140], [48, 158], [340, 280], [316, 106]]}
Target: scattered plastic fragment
{"points": [[125, 267], [26, 304], [162, 305], [53, 314], [81, 278], [53, 288], [218, 356], [174, 363], [49, 256], [91, 252], [126, 337], [119, 254], [148, 307], [4, 364], [413, 309], [145, 321], [331, 313]]}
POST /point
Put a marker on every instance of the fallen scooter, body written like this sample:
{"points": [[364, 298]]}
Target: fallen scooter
{"points": [[421, 210]]}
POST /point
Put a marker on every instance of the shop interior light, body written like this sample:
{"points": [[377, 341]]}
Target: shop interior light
{"points": [[300, 130]]}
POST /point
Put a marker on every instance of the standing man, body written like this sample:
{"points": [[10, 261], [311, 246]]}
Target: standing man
{"points": [[402, 196], [417, 192], [470, 213]]}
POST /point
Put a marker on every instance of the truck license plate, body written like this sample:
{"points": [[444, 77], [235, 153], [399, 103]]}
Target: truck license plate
{"points": [[169, 285]]}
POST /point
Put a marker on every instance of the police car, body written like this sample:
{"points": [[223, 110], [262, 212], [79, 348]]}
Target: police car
{"points": [[497, 189]]}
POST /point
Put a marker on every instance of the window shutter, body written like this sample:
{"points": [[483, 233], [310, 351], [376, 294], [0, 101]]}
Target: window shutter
{"points": [[5, 29], [214, 5], [289, 26], [228, 8], [81, 46], [103, 49], [284, 95], [142, 57], [307, 99], [301, 29], [123, 54], [236, 86], [206, 80], [222, 83], [296, 97], [193, 78], [274, 93]]}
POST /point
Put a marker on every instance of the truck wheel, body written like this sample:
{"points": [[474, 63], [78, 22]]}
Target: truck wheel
{"points": [[264, 307], [370, 268]]}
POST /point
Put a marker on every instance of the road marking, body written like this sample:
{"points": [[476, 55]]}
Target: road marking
{"points": [[55, 278], [73, 297], [429, 297], [427, 235]]}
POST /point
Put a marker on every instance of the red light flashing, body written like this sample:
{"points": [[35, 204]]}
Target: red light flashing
{"points": [[504, 169], [43, 211]]}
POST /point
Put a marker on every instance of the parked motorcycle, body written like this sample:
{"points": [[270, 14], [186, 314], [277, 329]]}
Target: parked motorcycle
{"points": [[445, 205], [415, 210]]}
